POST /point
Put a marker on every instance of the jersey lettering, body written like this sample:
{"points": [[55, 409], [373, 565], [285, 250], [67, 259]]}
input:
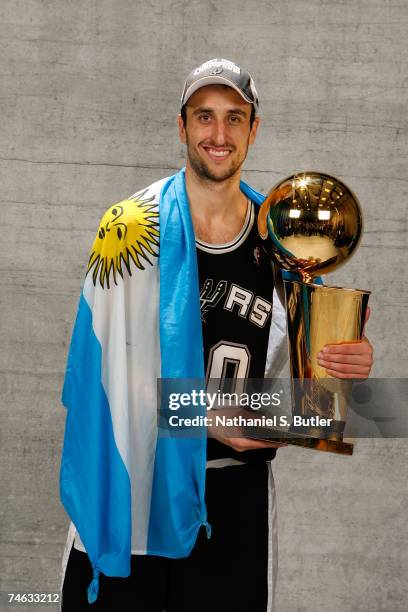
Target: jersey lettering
{"points": [[260, 312], [239, 297]]}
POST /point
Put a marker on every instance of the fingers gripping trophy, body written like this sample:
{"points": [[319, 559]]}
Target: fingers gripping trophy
{"points": [[312, 224]]}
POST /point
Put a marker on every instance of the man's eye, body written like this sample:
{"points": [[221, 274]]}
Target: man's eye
{"points": [[235, 119], [204, 118]]}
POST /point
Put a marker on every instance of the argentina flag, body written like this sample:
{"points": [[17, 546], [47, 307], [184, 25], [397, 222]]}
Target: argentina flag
{"points": [[126, 488]]}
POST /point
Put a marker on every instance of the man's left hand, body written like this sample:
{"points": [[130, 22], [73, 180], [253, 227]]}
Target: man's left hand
{"points": [[348, 360]]}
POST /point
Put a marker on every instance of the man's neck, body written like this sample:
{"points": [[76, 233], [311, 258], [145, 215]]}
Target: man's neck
{"points": [[218, 209]]}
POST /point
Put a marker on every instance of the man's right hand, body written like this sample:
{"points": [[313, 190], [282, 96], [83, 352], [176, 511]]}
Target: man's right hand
{"points": [[232, 436]]}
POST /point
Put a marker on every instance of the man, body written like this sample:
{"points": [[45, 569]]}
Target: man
{"points": [[151, 484]]}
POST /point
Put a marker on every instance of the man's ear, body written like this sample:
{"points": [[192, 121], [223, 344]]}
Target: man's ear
{"points": [[254, 129], [181, 129]]}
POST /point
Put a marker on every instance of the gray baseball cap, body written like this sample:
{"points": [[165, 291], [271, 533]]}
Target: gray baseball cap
{"points": [[221, 72]]}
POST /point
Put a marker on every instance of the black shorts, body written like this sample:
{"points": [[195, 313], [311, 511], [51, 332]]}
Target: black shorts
{"points": [[233, 571]]}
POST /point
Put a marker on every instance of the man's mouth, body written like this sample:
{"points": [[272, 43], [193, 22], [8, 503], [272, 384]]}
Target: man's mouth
{"points": [[216, 153]]}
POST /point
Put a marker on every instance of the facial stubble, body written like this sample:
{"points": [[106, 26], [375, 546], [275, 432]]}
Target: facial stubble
{"points": [[204, 172]]}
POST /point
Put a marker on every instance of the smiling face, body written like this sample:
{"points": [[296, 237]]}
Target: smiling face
{"points": [[217, 132]]}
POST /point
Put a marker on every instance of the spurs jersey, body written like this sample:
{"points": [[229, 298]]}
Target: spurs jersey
{"points": [[236, 287]]}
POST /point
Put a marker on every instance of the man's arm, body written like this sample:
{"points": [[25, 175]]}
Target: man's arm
{"points": [[233, 436], [245, 444]]}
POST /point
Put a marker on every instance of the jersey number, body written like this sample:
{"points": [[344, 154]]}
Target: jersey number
{"points": [[228, 367]]}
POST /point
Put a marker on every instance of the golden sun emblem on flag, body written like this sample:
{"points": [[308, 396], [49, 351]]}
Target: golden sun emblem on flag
{"points": [[128, 232]]}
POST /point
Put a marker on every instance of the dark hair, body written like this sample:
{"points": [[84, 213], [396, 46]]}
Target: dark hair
{"points": [[183, 114]]}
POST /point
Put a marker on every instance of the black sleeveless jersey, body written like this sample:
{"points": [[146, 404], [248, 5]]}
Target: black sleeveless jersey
{"points": [[236, 287]]}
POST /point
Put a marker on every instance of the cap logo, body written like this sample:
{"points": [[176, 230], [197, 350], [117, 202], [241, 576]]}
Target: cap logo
{"points": [[217, 70], [215, 63]]}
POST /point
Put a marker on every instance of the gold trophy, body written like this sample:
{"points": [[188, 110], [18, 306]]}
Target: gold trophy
{"points": [[312, 223]]}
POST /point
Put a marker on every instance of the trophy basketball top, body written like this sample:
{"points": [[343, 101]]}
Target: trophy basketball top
{"points": [[313, 221]]}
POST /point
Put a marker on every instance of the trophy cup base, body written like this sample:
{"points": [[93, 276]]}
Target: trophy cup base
{"points": [[326, 445]]}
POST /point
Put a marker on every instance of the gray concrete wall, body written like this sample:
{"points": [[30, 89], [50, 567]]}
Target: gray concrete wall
{"points": [[88, 96]]}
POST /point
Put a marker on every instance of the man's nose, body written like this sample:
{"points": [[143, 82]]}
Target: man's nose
{"points": [[219, 132]]}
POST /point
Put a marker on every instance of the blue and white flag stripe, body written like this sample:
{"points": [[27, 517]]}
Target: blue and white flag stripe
{"points": [[93, 473]]}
